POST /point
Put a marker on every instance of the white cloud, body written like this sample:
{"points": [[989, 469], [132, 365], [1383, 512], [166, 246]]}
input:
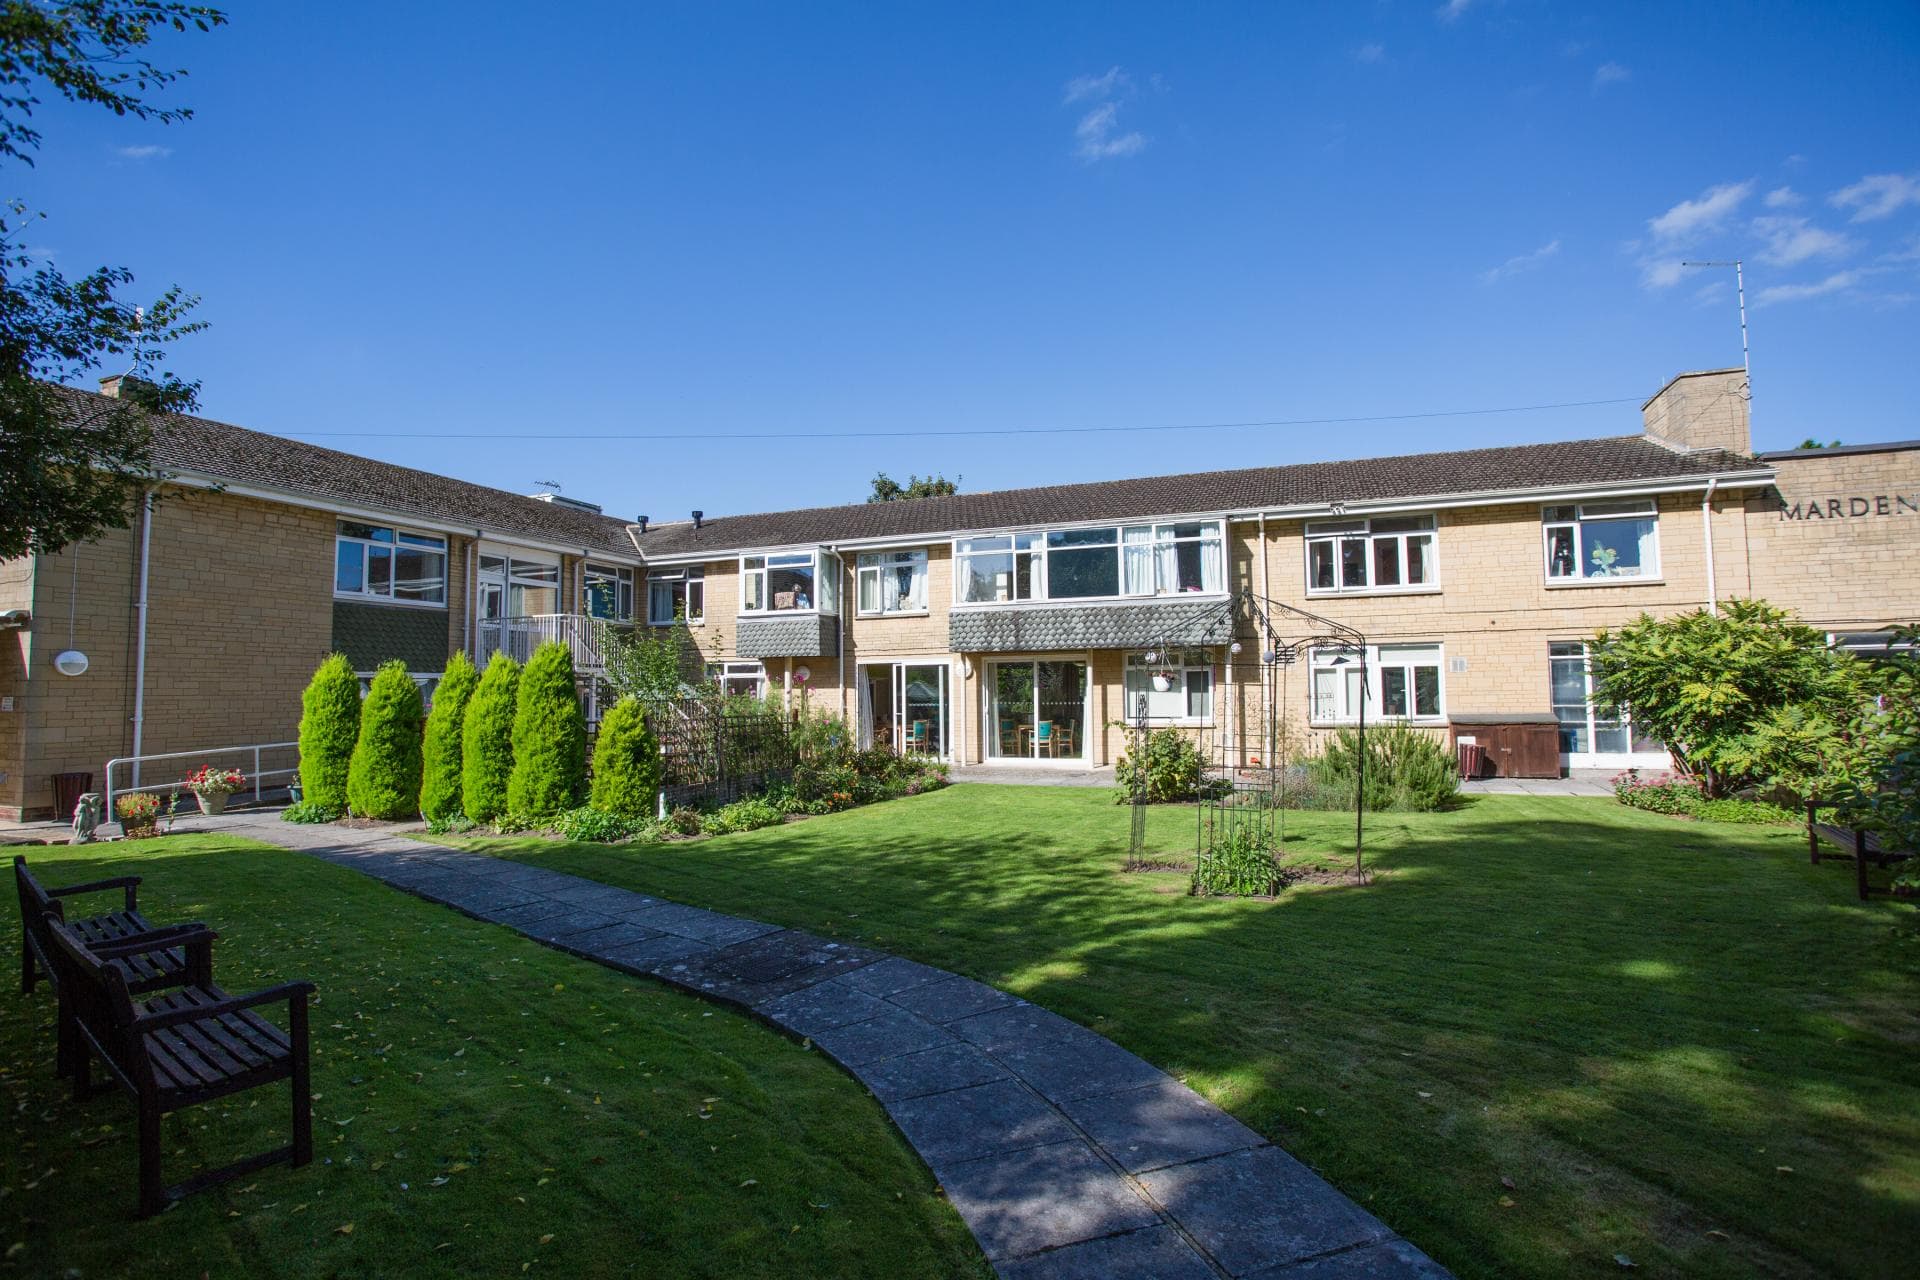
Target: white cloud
{"points": [[1374, 52], [1695, 217], [1910, 252], [1799, 292], [1662, 273], [1081, 88], [1878, 195], [1783, 198], [1609, 73], [1098, 137], [1520, 263], [148, 152], [1452, 10], [1791, 240]]}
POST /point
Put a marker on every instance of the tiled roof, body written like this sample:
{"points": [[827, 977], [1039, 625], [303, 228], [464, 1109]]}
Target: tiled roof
{"points": [[1571, 463], [239, 456]]}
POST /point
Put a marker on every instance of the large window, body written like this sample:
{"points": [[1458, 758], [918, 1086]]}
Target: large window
{"points": [[792, 582], [676, 593], [893, 582], [1602, 541], [607, 592], [1089, 564], [1386, 553], [1401, 682], [748, 679], [1177, 686], [383, 563], [1588, 727]]}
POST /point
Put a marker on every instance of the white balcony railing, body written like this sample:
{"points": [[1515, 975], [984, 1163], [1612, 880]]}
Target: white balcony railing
{"points": [[519, 637]]}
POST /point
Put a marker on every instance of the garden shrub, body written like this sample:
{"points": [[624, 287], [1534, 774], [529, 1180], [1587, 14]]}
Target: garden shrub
{"points": [[742, 815], [452, 824], [383, 780], [1407, 770], [486, 740], [594, 825], [626, 763], [685, 822], [440, 755], [329, 728], [1171, 769], [1678, 797], [549, 737], [311, 811], [1241, 864]]}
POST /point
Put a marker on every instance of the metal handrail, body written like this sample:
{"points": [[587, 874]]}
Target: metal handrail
{"points": [[257, 774]]}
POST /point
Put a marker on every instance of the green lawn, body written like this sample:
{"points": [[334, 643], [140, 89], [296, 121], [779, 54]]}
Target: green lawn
{"points": [[1675, 1041], [483, 1107]]}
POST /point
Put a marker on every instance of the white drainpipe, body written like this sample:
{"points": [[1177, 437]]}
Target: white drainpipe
{"points": [[1706, 523], [140, 655]]}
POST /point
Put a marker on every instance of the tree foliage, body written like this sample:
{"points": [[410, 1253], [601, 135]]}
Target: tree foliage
{"points": [[329, 728], [383, 780], [1745, 694], [626, 763], [72, 467], [486, 740], [654, 664], [549, 737], [887, 489], [1881, 788], [440, 784]]}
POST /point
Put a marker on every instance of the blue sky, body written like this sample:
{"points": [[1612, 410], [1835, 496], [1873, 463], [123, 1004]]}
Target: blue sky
{"points": [[721, 221]]}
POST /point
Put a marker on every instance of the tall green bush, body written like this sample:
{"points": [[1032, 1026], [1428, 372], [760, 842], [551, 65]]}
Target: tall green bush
{"points": [[549, 737], [1170, 769], [486, 740], [626, 763], [383, 780], [1406, 768], [329, 726], [440, 757]]}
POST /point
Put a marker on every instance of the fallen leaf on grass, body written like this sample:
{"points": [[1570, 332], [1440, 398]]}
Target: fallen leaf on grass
{"points": [[344, 1229], [1623, 1260], [1506, 1202], [547, 1239]]}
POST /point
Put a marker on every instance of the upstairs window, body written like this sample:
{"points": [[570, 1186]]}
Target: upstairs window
{"points": [[998, 569], [893, 582], [1091, 564], [1602, 541], [792, 582], [677, 593], [384, 563], [1177, 686], [1386, 553], [1171, 559], [606, 592]]}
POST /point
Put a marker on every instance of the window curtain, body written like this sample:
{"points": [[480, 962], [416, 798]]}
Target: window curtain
{"points": [[1649, 549], [1136, 560], [1212, 566]]}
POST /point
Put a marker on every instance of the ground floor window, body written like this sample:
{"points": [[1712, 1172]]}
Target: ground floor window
{"points": [[903, 708], [1177, 686], [1588, 727], [1394, 681], [748, 678], [1036, 710]]}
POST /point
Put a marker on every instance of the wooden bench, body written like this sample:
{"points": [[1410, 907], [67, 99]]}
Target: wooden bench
{"points": [[37, 903], [188, 1044], [1865, 847]]}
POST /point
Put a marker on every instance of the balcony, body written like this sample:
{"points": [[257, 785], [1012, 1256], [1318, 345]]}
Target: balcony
{"points": [[519, 637], [788, 635]]}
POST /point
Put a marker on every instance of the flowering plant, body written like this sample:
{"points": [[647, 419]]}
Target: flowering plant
{"points": [[137, 807], [209, 781]]}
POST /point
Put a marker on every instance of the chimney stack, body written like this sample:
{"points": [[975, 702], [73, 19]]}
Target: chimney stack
{"points": [[1704, 410]]}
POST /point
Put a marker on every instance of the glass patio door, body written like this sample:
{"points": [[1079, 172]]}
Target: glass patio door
{"points": [[1038, 712], [904, 708]]}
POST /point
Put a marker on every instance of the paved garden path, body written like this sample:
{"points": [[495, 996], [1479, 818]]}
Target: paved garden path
{"points": [[1068, 1157]]}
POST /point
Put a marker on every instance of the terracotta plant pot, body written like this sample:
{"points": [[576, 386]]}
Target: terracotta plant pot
{"points": [[211, 802], [139, 830]]}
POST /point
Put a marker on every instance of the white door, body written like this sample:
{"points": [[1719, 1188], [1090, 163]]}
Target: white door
{"points": [[1592, 735]]}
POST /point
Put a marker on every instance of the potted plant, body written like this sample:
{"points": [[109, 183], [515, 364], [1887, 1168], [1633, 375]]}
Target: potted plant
{"points": [[211, 787], [139, 814], [1163, 682]]}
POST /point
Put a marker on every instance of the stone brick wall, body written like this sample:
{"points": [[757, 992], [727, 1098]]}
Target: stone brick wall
{"points": [[16, 592], [1854, 566]]}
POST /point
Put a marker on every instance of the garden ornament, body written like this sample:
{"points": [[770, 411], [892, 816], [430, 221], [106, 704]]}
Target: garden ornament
{"points": [[86, 816]]}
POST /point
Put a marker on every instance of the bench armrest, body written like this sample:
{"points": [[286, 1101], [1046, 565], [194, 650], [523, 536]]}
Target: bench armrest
{"points": [[293, 993], [173, 935], [131, 884]]}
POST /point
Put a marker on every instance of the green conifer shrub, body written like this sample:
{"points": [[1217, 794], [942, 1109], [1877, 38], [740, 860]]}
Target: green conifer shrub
{"points": [[549, 737], [329, 726], [440, 759], [486, 740], [626, 763], [383, 780]]}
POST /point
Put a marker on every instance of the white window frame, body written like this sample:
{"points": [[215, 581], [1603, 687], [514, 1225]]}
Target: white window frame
{"points": [[1181, 665], [722, 672], [1038, 545], [1379, 659], [420, 540], [683, 580], [1584, 514], [873, 566], [1331, 534], [758, 569], [622, 578], [1593, 757]]}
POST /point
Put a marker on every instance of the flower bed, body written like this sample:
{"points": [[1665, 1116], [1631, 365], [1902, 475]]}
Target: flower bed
{"points": [[1682, 798]]}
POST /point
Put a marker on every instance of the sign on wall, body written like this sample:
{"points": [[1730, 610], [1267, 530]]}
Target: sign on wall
{"points": [[1852, 507]]}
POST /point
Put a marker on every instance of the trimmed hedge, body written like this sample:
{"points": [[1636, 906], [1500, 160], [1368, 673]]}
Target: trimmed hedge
{"points": [[549, 737], [383, 780], [626, 763], [329, 728], [440, 782], [486, 740]]}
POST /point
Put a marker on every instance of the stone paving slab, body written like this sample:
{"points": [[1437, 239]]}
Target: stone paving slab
{"points": [[1067, 1156]]}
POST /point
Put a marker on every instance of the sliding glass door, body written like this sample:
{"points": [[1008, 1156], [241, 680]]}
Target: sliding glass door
{"points": [[1037, 711], [904, 708]]}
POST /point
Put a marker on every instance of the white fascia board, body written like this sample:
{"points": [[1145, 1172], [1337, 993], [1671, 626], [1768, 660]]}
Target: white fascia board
{"points": [[1511, 497]]}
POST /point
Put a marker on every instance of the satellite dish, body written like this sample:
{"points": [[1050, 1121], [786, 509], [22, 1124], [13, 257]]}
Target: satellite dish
{"points": [[70, 662]]}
